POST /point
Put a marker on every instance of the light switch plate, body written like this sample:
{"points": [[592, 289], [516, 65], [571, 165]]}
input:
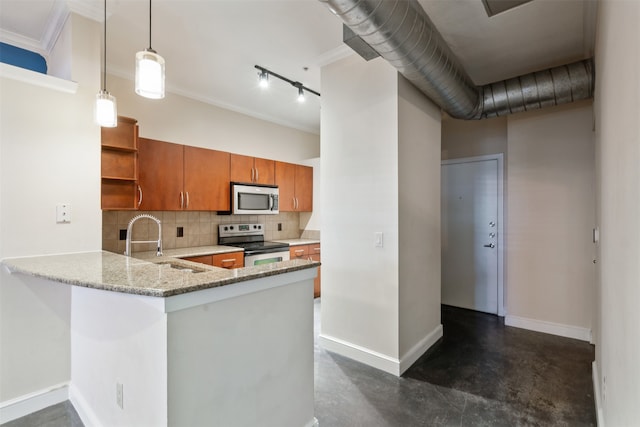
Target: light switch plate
{"points": [[378, 242], [63, 213]]}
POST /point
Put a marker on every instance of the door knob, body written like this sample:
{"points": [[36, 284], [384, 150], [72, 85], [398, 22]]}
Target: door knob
{"points": [[490, 245]]}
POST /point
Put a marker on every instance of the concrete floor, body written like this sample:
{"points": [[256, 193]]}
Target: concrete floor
{"points": [[480, 374]]}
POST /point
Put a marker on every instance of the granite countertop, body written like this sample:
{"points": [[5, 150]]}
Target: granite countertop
{"points": [[188, 252], [298, 242], [156, 277]]}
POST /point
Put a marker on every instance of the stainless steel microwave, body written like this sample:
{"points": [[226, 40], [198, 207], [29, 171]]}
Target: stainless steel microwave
{"points": [[254, 199]]}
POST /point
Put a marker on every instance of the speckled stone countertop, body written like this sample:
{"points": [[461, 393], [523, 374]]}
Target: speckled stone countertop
{"points": [[157, 277], [298, 242]]}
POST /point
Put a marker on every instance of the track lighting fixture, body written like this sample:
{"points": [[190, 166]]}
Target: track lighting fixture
{"points": [[263, 81], [105, 113], [149, 70]]}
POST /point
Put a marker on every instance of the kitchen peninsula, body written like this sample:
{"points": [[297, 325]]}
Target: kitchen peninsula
{"points": [[170, 342]]}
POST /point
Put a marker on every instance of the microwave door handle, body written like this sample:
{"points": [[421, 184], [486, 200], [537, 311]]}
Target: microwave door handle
{"points": [[270, 202]]}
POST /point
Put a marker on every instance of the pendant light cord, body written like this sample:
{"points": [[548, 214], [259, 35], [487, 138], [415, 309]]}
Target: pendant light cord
{"points": [[104, 74], [150, 25]]}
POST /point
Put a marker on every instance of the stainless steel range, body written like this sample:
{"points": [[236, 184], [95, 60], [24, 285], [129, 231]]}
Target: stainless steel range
{"points": [[250, 237]]}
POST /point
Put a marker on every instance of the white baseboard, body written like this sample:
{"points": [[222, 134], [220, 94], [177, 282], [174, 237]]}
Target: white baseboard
{"points": [[361, 354], [598, 394], [84, 411], [377, 360], [420, 348], [32, 402], [568, 331]]}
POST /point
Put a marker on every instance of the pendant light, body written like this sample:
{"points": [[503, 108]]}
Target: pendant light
{"points": [[105, 113], [149, 70]]}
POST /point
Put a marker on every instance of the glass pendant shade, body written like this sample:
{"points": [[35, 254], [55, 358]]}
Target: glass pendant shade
{"points": [[300, 95], [149, 74], [106, 113]]}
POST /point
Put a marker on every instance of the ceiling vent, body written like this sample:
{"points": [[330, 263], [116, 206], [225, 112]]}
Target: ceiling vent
{"points": [[494, 7], [401, 32]]}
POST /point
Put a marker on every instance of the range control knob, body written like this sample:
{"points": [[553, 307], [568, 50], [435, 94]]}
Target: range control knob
{"points": [[231, 227], [259, 227], [226, 228]]}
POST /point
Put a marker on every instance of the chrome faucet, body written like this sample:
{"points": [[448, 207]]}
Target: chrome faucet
{"points": [[127, 250]]}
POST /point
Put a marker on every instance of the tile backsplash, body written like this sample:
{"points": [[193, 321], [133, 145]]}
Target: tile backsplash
{"points": [[199, 228]]}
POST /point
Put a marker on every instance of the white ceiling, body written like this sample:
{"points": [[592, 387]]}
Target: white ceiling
{"points": [[211, 46]]}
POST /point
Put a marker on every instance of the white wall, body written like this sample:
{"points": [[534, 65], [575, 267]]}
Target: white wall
{"points": [[380, 141], [469, 138], [118, 338], [186, 121], [359, 143], [551, 210], [50, 153], [618, 151], [419, 221]]}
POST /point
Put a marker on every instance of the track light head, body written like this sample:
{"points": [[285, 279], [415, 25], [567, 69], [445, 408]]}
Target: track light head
{"points": [[263, 79], [300, 94]]}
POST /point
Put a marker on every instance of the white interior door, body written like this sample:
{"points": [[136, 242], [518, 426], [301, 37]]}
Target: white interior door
{"points": [[469, 200]]}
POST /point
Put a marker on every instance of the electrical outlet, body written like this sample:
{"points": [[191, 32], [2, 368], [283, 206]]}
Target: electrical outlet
{"points": [[63, 213], [119, 395], [279, 226], [180, 232], [123, 235]]}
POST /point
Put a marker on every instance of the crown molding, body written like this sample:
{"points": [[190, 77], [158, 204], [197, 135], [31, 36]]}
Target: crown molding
{"points": [[56, 21]]}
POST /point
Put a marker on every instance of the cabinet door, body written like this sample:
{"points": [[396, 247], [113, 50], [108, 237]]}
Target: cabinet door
{"points": [[264, 171], [299, 252], [229, 260], [241, 168], [304, 188], [206, 179], [285, 180], [160, 175]]}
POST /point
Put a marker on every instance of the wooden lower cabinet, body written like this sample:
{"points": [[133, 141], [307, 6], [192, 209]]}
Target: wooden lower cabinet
{"points": [[227, 260], [311, 252]]}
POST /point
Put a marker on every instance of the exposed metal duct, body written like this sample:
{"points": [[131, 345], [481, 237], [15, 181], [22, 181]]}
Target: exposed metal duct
{"points": [[402, 33]]}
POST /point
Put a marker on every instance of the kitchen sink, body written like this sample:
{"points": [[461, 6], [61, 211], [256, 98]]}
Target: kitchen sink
{"points": [[180, 265]]}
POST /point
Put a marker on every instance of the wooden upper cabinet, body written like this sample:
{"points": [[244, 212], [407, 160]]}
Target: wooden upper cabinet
{"points": [[304, 188], [295, 183], [161, 175], [119, 165], [179, 177], [206, 179], [285, 180], [252, 170], [124, 136]]}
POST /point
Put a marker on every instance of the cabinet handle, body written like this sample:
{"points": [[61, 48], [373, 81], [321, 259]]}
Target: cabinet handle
{"points": [[296, 199], [230, 262], [139, 194], [257, 175], [298, 252], [187, 193], [316, 249], [253, 175], [181, 200]]}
